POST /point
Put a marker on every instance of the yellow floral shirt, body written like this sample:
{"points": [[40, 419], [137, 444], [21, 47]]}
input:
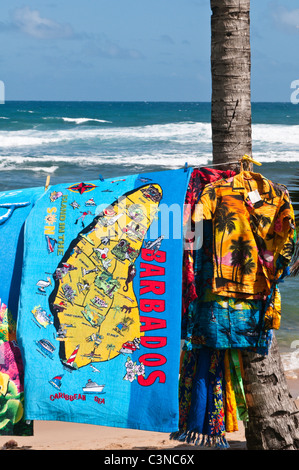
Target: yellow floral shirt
{"points": [[253, 225]]}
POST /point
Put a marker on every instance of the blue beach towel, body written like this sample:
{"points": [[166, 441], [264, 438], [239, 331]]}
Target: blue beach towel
{"points": [[100, 304], [14, 209]]}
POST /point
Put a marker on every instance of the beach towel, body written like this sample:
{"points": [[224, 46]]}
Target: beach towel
{"points": [[254, 234], [100, 304], [14, 209]]}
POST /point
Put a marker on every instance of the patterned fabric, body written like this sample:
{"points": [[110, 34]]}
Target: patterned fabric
{"points": [[14, 209], [232, 300], [231, 421], [253, 224], [273, 309], [236, 406], [217, 321], [202, 398]]}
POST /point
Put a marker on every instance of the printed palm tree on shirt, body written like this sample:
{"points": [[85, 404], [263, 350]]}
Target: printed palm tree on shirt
{"points": [[241, 250], [225, 224], [247, 266], [258, 221], [210, 191]]}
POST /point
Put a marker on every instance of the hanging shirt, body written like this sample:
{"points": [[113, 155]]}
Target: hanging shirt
{"points": [[254, 232], [198, 180], [218, 321]]}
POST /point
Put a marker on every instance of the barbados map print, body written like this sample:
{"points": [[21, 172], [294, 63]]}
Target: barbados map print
{"points": [[95, 309]]}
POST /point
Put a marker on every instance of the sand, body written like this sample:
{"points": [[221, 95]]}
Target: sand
{"points": [[52, 435], [55, 435]]}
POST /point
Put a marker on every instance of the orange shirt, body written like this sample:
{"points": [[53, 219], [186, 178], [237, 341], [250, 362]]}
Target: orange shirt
{"points": [[253, 224]]}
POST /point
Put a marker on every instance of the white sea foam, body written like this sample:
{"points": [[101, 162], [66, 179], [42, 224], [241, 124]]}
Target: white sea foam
{"points": [[181, 132], [165, 144], [82, 120], [185, 132], [76, 120], [290, 360]]}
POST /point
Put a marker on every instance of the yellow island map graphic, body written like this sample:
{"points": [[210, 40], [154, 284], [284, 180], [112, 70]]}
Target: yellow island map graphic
{"points": [[94, 306]]}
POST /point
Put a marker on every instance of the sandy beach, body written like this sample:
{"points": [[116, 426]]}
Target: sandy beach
{"points": [[54, 435]]}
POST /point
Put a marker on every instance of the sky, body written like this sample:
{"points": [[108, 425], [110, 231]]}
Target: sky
{"points": [[136, 50]]}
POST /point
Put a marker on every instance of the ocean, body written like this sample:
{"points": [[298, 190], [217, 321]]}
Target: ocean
{"points": [[82, 141]]}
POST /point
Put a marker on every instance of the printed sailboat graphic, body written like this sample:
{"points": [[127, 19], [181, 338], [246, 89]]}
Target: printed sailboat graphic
{"points": [[69, 363], [56, 381], [51, 242]]}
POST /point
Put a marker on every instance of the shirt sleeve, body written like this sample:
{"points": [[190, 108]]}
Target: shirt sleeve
{"points": [[285, 230], [205, 207]]}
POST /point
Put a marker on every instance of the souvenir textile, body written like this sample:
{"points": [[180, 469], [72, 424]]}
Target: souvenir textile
{"points": [[14, 209], [211, 396], [198, 180], [99, 319], [254, 234], [233, 363], [236, 407]]}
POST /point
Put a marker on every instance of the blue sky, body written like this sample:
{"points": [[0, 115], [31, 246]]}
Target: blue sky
{"points": [[155, 50]]}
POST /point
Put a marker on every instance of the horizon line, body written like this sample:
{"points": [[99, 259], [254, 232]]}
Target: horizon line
{"points": [[128, 101]]}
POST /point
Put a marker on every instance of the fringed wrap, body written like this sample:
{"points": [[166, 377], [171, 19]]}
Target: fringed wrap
{"points": [[201, 440], [201, 398]]}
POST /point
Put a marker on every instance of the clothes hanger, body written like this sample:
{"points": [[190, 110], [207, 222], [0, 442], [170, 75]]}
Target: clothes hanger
{"points": [[47, 182], [245, 157]]}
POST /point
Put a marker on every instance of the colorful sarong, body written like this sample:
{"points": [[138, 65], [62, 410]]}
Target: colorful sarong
{"points": [[99, 319], [14, 208], [202, 398]]}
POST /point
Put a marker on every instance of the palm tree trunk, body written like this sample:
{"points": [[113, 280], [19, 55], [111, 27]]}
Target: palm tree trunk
{"points": [[231, 95], [273, 416], [220, 260]]}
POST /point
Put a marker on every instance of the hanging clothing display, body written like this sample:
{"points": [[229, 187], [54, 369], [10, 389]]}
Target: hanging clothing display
{"points": [[99, 320], [14, 209], [232, 299], [91, 324]]}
